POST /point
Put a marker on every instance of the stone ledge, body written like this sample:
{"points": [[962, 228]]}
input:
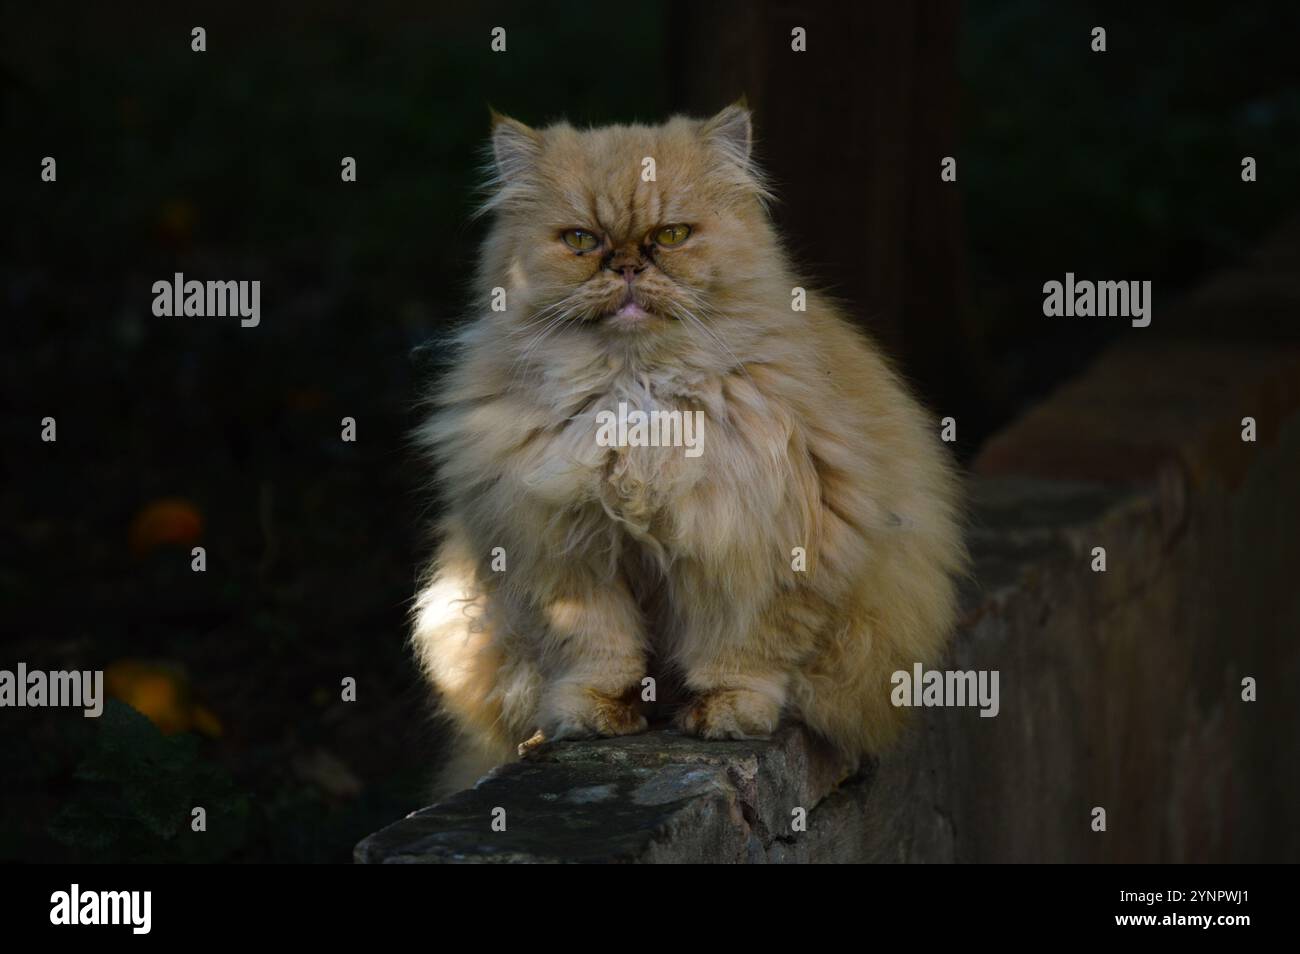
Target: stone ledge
{"points": [[654, 797]]}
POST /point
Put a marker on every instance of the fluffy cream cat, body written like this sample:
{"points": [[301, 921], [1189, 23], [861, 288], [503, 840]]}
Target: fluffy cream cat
{"points": [[787, 566]]}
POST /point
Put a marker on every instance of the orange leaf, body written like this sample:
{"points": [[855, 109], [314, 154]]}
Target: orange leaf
{"points": [[169, 521], [161, 693]]}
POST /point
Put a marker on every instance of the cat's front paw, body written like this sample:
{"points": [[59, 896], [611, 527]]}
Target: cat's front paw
{"points": [[581, 712], [729, 714]]}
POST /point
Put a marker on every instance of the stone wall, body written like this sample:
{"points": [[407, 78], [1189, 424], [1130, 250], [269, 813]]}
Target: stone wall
{"points": [[1119, 689]]}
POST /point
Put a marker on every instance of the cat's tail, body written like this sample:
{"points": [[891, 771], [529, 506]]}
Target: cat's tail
{"points": [[487, 694]]}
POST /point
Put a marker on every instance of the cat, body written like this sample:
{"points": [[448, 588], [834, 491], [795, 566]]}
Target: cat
{"points": [[807, 552]]}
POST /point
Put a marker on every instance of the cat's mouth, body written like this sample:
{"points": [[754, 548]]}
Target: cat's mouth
{"points": [[628, 313]]}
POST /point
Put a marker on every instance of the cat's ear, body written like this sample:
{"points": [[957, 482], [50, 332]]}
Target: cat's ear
{"points": [[731, 136], [515, 148], [732, 132]]}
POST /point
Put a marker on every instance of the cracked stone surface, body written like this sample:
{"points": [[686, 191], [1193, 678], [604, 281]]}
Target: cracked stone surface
{"points": [[654, 797]]}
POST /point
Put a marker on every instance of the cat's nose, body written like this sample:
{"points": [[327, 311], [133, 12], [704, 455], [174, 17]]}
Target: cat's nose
{"points": [[627, 262]]}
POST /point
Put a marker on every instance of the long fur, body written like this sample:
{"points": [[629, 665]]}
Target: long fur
{"points": [[623, 562]]}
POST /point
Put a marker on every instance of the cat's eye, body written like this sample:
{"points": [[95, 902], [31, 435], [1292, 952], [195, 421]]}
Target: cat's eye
{"points": [[671, 235], [580, 240]]}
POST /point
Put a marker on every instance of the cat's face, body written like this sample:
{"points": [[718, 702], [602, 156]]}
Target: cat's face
{"points": [[625, 229]]}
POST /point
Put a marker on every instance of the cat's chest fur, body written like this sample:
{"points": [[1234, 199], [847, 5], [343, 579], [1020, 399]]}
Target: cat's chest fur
{"points": [[649, 435], [647, 447]]}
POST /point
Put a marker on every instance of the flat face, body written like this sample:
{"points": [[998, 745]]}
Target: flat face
{"points": [[630, 227]]}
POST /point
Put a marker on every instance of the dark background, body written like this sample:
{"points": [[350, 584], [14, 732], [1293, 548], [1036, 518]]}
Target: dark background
{"points": [[225, 165]]}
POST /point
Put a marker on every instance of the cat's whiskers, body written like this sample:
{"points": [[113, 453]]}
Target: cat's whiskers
{"points": [[521, 361], [551, 318], [689, 317], [542, 314]]}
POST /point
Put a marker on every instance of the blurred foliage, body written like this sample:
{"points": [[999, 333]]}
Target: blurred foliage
{"points": [[137, 789]]}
